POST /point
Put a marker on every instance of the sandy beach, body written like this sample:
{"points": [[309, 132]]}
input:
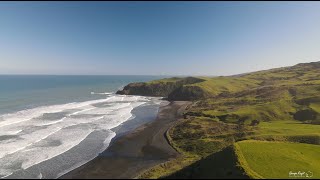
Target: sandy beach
{"points": [[136, 151]]}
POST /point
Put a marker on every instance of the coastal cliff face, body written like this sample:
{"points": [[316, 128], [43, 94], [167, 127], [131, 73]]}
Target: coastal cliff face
{"points": [[268, 84], [145, 89], [172, 88]]}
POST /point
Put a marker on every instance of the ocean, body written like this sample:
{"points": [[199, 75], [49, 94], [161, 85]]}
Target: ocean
{"points": [[50, 125]]}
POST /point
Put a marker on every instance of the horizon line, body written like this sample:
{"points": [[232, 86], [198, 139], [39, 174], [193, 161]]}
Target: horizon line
{"points": [[171, 75]]}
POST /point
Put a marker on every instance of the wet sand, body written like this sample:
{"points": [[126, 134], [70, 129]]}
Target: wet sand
{"points": [[131, 154]]}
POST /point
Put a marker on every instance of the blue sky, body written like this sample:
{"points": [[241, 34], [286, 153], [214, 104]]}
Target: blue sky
{"points": [[156, 38]]}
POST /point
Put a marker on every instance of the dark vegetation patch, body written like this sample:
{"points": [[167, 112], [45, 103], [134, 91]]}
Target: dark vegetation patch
{"points": [[221, 165], [306, 114]]}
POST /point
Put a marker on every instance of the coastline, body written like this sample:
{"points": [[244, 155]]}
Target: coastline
{"points": [[136, 151]]}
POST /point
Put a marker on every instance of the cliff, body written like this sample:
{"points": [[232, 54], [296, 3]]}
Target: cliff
{"points": [[162, 88], [266, 83]]}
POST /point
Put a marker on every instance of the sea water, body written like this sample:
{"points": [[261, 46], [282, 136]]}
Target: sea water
{"points": [[50, 125]]}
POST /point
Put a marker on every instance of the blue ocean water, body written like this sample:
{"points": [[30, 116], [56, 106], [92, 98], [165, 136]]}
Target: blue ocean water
{"points": [[19, 92], [50, 125]]}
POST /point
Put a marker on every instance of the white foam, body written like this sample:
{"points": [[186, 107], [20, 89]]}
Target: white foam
{"points": [[117, 117], [37, 152], [53, 122], [74, 137], [13, 132], [106, 143], [39, 176], [15, 146], [32, 131], [6, 174], [106, 93], [25, 115]]}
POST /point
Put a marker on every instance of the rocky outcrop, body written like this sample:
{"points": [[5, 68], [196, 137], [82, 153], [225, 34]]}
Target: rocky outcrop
{"points": [[145, 89], [163, 88]]}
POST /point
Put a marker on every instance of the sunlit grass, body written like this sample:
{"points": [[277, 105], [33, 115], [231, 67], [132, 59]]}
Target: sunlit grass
{"points": [[277, 159]]}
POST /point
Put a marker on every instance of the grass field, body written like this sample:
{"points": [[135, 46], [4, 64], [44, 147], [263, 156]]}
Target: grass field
{"points": [[280, 105], [277, 159], [219, 85], [288, 128], [315, 106]]}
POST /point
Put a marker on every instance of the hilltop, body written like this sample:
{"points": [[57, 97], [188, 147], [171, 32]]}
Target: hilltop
{"points": [[195, 88], [232, 117], [290, 93], [285, 93]]}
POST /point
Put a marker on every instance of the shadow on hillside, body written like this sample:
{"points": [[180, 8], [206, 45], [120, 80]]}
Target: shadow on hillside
{"points": [[220, 165]]}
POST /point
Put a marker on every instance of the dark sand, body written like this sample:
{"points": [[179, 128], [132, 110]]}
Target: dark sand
{"points": [[131, 154]]}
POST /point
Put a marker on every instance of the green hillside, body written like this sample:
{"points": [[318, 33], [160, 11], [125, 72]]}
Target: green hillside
{"points": [[280, 105], [290, 93]]}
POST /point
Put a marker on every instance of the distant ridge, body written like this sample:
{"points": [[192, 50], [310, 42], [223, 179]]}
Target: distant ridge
{"points": [[194, 88]]}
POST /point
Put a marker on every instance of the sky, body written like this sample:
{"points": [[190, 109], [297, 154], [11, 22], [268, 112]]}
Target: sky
{"points": [[156, 38]]}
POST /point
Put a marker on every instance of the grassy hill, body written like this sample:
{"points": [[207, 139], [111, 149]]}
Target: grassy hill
{"points": [[290, 93], [280, 105], [263, 159]]}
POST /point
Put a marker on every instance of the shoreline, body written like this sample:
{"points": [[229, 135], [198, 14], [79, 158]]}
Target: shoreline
{"points": [[136, 151]]}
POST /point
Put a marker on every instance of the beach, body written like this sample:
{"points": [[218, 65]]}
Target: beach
{"points": [[134, 152]]}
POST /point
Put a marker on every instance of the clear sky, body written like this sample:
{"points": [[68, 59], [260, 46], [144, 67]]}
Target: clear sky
{"points": [[156, 38]]}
